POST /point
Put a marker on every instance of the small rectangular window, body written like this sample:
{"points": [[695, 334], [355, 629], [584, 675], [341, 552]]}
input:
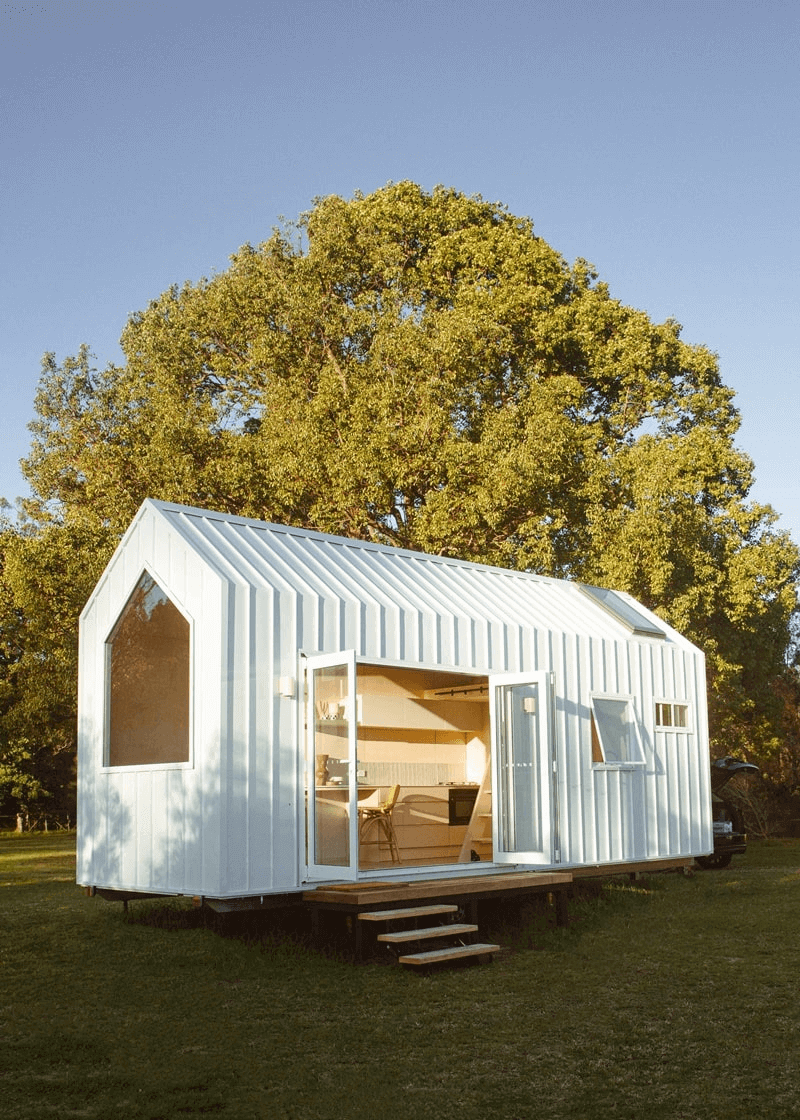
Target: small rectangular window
{"points": [[672, 715]]}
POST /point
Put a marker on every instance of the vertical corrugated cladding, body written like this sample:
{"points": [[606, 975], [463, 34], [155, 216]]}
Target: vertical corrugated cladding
{"points": [[669, 787], [658, 807], [578, 701], [673, 785], [677, 780], [262, 716], [197, 787], [272, 727], [691, 750], [187, 576], [167, 824], [149, 813], [159, 799], [318, 605], [497, 631], [276, 772], [696, 687], [234, 745], [408, 612], [429, 646], [320, 612], [293, 610], [396, 630], [321, 609], [630, 783], [226, 867], [641, 655], [107, 820], [479, 638], [697, 661], [596, 811], [282, 743], [360, 619], [468, 620], [682, 752], [211, 604], [119, 800], [574, 753], [493, 636], [451, 644], [612, 802], [292, 592]]}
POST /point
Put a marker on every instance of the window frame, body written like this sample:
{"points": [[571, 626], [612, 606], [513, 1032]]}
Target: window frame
{"points": [[107, 766], [635, 744], [673, 728]]}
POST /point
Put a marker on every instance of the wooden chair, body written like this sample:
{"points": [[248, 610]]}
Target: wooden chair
{"points": [[381, 813]]}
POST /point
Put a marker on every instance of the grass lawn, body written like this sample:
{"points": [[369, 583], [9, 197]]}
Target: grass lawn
{"points": [[668, 998]]}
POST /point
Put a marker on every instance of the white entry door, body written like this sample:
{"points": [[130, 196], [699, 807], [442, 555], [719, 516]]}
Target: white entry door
{"points": [[523, 816], [331, 783]]}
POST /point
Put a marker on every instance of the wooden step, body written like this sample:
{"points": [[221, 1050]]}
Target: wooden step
{"points": [[440, 956], [452, 930], [407, 912]]}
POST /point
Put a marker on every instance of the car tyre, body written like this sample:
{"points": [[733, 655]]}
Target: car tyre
{"points": [[714, 862]]}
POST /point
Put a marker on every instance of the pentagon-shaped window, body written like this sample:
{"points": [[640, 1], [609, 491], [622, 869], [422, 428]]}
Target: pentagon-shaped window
{"points": [[148, 681]]}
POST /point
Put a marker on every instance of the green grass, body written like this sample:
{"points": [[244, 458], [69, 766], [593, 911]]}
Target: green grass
{"points": [[667, 998]]}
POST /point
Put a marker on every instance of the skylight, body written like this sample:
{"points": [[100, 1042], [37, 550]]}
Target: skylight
{"points": [[623, 611]]}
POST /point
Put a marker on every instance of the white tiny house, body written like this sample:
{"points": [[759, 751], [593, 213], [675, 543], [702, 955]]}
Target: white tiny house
{"points": [[253, 696]]}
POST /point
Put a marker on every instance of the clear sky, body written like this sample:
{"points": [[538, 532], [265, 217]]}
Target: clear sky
{"points": [[142, 143]]}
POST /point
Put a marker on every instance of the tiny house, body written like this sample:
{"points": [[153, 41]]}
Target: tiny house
{"points": [[264, 708]]}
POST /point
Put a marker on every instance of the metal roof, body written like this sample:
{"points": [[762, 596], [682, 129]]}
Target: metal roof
{"points": [[390, 585]]}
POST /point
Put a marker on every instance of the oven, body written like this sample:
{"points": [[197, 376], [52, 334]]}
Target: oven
{"points": [[460, 803]]}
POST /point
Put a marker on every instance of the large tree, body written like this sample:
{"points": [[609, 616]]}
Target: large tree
{"points": [[46, 574], [422, 369]]}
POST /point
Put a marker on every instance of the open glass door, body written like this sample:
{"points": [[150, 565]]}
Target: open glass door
{"points": [[522, 759], [331, 788]]}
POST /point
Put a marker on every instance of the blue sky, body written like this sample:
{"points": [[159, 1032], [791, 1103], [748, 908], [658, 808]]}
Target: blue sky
{"points": [[143, 143]]}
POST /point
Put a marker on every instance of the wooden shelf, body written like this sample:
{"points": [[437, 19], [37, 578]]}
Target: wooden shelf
{"points": [[404, 712]]}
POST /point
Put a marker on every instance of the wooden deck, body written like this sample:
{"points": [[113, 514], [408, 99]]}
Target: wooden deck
{"points": [[642, 867], [464, 892], [352, 896]]}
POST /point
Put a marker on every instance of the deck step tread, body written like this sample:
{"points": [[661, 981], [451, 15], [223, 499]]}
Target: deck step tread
{"points": [[407, 912], [455, 929], [458, 952]]}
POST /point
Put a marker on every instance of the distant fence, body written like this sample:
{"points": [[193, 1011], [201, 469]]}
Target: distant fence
{"points": [[50, 821]]}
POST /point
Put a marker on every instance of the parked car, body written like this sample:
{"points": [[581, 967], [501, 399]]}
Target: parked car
{"points": [[729, 835]]}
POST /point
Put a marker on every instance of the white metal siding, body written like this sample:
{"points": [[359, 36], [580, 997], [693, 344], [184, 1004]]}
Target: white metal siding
{"points": [[152, 829], [257, 595]]}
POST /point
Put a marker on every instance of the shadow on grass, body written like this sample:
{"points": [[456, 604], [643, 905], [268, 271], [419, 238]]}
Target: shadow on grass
{"points": [[517, 924], [284, 931], [529, 924]]}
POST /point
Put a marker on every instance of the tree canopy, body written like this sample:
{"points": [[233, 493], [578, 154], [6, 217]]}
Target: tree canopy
{"points": [[420, 368]]}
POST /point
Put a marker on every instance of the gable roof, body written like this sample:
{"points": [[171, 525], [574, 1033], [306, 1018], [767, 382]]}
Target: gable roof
{"points": [[387, 581]]}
